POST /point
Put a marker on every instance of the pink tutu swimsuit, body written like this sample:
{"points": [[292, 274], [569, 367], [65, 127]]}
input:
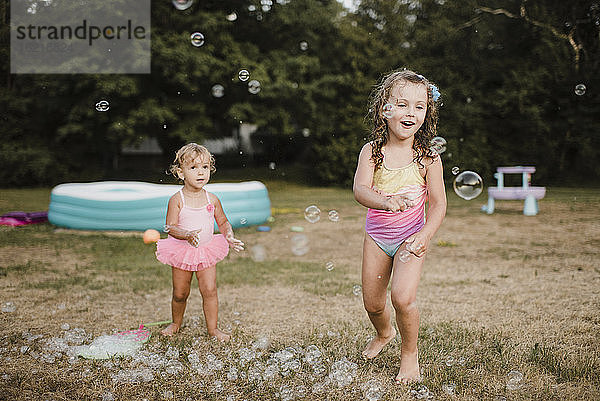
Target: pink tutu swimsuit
{"points": [[390, 229], [212, 247]]}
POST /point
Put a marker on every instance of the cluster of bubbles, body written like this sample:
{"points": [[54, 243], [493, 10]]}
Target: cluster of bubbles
{"points": [[50, 350], [102, 105], [312, 214]]}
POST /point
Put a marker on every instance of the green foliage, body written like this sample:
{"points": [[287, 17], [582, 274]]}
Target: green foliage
{"points": [[507, 81]]}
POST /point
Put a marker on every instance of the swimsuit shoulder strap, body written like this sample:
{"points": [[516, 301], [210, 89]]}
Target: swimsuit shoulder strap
{"points": [[207, 197], [182, 197]]}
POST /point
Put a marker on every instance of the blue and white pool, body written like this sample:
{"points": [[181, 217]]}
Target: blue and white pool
{"points": [[135, 205]]}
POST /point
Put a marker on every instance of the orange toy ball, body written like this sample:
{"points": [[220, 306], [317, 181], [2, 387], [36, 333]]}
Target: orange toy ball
{"points": [[151, 236]]}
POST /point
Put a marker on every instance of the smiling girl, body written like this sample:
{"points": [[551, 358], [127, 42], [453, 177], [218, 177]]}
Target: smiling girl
{"points": [[397, 174]]}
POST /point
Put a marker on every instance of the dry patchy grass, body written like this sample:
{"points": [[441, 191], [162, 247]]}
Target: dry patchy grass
{"points": [[502, 292]]}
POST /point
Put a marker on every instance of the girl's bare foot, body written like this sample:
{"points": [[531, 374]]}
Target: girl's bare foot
{"points": [[170, 330], [409, 369], [220, 336], [375, 346]]}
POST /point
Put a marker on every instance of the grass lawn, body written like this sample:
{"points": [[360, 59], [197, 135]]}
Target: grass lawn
{"points": [[499, 293]]}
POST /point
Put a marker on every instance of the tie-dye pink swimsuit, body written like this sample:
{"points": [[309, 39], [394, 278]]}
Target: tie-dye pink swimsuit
{"points": [[390, 229]]}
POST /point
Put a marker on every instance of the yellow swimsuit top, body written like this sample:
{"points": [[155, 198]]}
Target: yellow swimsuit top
{"points": [[391, 180]]}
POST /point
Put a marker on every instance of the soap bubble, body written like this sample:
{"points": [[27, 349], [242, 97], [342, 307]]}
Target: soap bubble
{"points": [[259, 253], [262, 342], [217, 90], [388, 110], [515, 375], [254, 86], [468, 185], [438, 145], [102, 105], [305, 132], [514, 380], [65, 326], [312, 214], [197, 39], [231, 17], [455, 170], [422, 393], [243, 75], [243, 221], [404, 256], [334, 215], [449, 388], [108, 396], [8, 307], [449, 361], [303, 45], [183, 4], [580, 89], [357, 289], [272, 166], [373, 390], [329, 266], [299, 244]]}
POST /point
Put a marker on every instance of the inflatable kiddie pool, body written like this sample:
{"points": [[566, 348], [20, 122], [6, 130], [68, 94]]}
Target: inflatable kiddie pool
{"points": [[134, 205]]}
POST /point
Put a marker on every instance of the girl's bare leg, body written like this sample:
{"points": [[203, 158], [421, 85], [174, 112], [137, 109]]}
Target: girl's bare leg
{"points": [[376, 270], [207, 283], [404, 298], [181, 291]]}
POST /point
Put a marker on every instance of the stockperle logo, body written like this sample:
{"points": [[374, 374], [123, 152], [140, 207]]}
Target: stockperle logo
{"points": [[80, 37]]}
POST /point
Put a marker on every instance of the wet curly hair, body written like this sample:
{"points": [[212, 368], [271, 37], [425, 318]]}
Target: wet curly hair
{"points": [[188, 153], [379, 129]]}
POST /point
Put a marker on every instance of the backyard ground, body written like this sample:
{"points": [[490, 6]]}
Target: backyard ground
{"points": [[499, 293]]}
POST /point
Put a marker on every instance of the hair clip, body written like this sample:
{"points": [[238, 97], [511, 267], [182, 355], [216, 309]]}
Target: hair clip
{"points": [[435, 93]]}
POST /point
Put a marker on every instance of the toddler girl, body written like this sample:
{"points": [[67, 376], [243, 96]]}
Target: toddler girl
{"points": [[192, 245], [397, 173]]}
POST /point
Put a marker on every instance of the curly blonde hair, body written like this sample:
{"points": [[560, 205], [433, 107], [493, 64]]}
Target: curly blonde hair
{"points": [[379, 131], [188, 153]]}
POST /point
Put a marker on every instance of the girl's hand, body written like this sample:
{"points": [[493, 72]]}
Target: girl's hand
{"points": [[236, 244], [192, 238], [417, 244], [397, 203]]}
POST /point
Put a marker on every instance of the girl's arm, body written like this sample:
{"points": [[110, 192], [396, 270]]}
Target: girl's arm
{"points": [[224, 225], [173, 210], [419, 242], [363, 182]]}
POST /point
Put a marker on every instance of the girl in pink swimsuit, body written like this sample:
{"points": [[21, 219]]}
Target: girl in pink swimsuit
{"points": [[397, 174], [192, 247]]}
